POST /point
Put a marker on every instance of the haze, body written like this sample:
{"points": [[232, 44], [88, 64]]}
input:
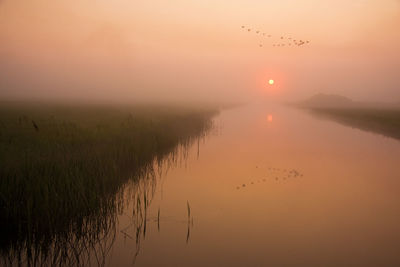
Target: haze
{"points": [[124, 50]]}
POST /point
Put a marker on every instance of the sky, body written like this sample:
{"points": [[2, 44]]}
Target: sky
{"points": [[127, 50]]}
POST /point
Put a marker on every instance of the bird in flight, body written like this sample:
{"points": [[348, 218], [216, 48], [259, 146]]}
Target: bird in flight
{"points": [[282, 37]]}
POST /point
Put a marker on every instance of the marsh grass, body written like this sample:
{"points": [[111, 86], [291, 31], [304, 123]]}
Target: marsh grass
{"points": [[378, 120], [62, 169]]}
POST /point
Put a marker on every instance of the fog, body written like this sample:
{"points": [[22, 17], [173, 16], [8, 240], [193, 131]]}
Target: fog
{"points": [[179, 50]]}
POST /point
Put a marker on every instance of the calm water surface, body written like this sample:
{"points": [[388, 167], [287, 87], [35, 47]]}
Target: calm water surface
{"points": [[272, 186]]}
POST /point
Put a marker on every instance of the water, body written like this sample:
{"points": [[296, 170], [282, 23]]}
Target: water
{"points": [[269, 186], [340, 209]]}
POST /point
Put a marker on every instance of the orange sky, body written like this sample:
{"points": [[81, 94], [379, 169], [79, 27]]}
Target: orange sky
{"points": [[125, 49]]}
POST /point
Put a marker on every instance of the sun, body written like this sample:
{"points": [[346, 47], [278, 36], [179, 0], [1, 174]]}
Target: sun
{"points": [[271, 82]]}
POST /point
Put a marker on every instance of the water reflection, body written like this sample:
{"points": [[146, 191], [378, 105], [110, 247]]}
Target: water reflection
{"points": [[268, 174], [300, 193]]}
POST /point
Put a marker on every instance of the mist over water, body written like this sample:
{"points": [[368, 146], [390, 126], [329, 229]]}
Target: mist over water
{"points": [[199, 133]]}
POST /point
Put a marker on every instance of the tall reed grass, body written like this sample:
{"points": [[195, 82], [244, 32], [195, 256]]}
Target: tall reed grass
{"points": [[62, 167]]}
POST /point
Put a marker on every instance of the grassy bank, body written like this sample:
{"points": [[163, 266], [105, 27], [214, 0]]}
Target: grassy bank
{"points": [[377, 120], [61, 166]]}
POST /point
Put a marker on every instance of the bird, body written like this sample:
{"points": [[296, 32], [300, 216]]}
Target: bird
{"points": [[297, 42]]}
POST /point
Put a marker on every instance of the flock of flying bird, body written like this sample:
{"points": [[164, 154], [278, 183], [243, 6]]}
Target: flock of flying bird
{"points": [[282, 41]]}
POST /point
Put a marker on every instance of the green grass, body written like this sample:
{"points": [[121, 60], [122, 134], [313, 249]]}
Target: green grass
{"points": [[377, 120], [62, 166]]}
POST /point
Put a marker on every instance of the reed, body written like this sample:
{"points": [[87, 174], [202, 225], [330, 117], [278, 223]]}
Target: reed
{"points": [[62, 167], [378, 120]]}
